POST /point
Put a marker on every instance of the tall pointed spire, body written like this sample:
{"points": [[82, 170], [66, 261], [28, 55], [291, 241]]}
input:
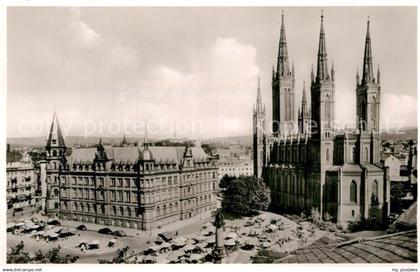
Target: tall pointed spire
{"points": [[322, 68], [304, 101], [55, 137], [100, 146], [283, 58], [368, 76], [357, 76], [312, 73], [259, 107]]}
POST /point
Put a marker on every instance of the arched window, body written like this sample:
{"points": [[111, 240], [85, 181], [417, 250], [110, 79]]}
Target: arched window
{"points": [[121, 210], [114, 210], [373, 110], [327, 155], [353, 191], [128, 212], [54, 153], [353, 154], [366, 154], [375, 191], [327, 108], [363, 114]]}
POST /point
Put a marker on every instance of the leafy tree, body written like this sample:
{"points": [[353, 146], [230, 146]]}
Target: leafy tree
{"points": [[226, 179], [121, 257], [246, 195], [17, 254]]}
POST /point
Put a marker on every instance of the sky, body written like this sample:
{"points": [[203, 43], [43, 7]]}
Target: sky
{"points": [[191, 71]]}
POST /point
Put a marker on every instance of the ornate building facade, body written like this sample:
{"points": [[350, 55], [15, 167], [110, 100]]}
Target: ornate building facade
{"points": [[309, 163], [141, 187]]}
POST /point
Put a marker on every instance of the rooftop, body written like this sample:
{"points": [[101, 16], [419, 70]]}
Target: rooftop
{"points": [[400, 247]]}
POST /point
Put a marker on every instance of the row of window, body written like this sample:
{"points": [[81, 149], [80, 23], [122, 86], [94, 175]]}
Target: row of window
{"points": [[354, 191], [130, 182]]}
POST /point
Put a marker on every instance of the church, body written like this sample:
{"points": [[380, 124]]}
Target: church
{"points": [[309, 163]]}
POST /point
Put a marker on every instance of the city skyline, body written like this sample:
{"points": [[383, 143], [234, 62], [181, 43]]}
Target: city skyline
{"points": [[146, 77]]}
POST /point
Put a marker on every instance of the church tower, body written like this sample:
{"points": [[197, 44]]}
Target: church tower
{"points": [[304, 118], [322, 116], [259, 133], [56, 150], [368, 97], [322, 102], [283, 89]]}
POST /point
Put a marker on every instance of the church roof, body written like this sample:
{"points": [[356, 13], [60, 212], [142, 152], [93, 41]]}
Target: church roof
{"points": [[352, 167], [372, 168]]}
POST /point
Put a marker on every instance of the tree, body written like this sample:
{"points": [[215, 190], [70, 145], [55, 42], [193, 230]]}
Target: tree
{"points": [[226, 179], [17, 254], [246, 196]]}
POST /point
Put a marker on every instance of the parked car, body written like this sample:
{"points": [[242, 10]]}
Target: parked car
{"points": [[119, 233], [81, 227], [53, 222], [106, 231]]}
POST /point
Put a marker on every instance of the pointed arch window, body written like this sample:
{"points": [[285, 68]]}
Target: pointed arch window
{"points": [[327, 108], [373, 111], [366, 154], [374, 192], [353, 191], [327, 155]]}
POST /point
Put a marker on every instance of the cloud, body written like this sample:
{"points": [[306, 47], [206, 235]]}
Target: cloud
{"points": [[221, 81], [398, 110]]}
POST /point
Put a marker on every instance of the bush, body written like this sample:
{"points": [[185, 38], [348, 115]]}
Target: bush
{"points": [[18, 254]]}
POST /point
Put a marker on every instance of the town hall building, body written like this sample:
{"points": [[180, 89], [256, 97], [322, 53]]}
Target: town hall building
{"points": [[139, 186]]}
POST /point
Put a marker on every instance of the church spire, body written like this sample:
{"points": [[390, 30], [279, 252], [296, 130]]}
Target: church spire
{"points": [[259, 107], [304, 101], [283, 58], [357, 76], [322, 68], [368, 76]]}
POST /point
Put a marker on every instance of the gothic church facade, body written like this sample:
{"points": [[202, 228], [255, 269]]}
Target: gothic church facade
{"points": [[307, 163]]}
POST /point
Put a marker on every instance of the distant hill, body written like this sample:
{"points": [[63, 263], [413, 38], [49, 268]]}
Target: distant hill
{"points": [[70, 141], [407, 133], [243, 140]]}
